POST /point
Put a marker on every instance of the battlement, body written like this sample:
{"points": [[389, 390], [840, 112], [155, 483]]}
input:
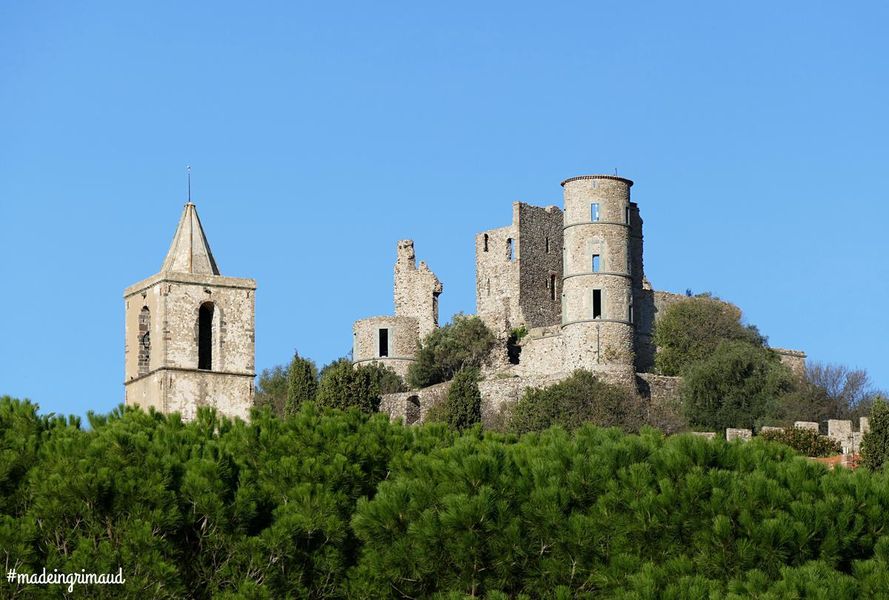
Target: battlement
{"points": [[629, 182]]}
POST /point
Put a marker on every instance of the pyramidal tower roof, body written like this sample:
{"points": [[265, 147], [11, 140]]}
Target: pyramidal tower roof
{"points": [[190, 252]]}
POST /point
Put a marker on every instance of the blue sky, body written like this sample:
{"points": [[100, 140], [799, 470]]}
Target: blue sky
{"points": [[321, 133]]}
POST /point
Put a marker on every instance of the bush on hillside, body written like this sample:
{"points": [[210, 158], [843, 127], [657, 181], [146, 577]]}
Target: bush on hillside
{"points": [[738, 385], [804, 441], [690, 330], [580, 399], [464, 343], [875, 445]]}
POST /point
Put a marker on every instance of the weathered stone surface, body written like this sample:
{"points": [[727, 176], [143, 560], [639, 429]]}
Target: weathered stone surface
{"points": [[519, 270], [864, 425], [806, 425], [793, 359], [403, 339], [416, 293], [738, 434], [767, 428], [710, 435], [416, 290]]}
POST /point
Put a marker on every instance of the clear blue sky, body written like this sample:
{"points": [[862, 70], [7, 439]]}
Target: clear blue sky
{"points": [[320, 133]]}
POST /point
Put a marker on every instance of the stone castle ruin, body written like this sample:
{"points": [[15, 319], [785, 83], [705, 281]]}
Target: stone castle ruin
{"points": [[571, 279]]}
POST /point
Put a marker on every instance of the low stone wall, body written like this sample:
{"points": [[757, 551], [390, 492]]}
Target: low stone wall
{"points": [[411, 406], [838, 430]]}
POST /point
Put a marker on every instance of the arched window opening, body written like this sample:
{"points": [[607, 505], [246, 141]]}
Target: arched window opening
{"points": [[205, 336], [144, 341], [411, 410]]}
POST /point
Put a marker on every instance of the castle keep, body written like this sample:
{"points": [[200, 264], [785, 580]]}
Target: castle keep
{"points": [[189, 332]]}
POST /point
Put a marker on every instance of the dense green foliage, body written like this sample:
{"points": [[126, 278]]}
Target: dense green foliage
{"points": [[738, 385], [283, 390], [875, 445], [271, 389], [690, 330], [462, 407], [464, 343], [578, 400], [344, 386], [302, 383], [345, 504], [804, 441]]}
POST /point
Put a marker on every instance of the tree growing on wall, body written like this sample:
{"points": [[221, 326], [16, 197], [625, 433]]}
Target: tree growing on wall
{"points": [[690, 330], [464, 343]]}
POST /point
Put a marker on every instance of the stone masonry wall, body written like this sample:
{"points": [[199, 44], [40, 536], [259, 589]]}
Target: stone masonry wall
{"points": [[403, 342], [174, 301], [416, 289], [540, 264], [497, 279], [542, 352]]}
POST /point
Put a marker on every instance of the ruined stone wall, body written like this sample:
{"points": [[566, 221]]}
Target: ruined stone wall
{"points": [[416, 289], [540, 264], [795, 360], [403, 341], [663, 300], [497, 279], [542, 352], [663, 391], [643, 312]]}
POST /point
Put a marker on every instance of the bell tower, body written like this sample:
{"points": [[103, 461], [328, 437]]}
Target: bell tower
{"points": [[190, 332]]}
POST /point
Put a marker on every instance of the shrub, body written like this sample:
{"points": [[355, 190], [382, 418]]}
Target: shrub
{"points": [[875, 445], [462, 407], [302, 383], [690, 330], [580, 399], [271, 389], [463, 343], [344, 386], [804, 441]]}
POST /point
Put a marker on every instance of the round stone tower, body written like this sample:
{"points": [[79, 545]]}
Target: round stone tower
{"points": [[597, 289]]}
